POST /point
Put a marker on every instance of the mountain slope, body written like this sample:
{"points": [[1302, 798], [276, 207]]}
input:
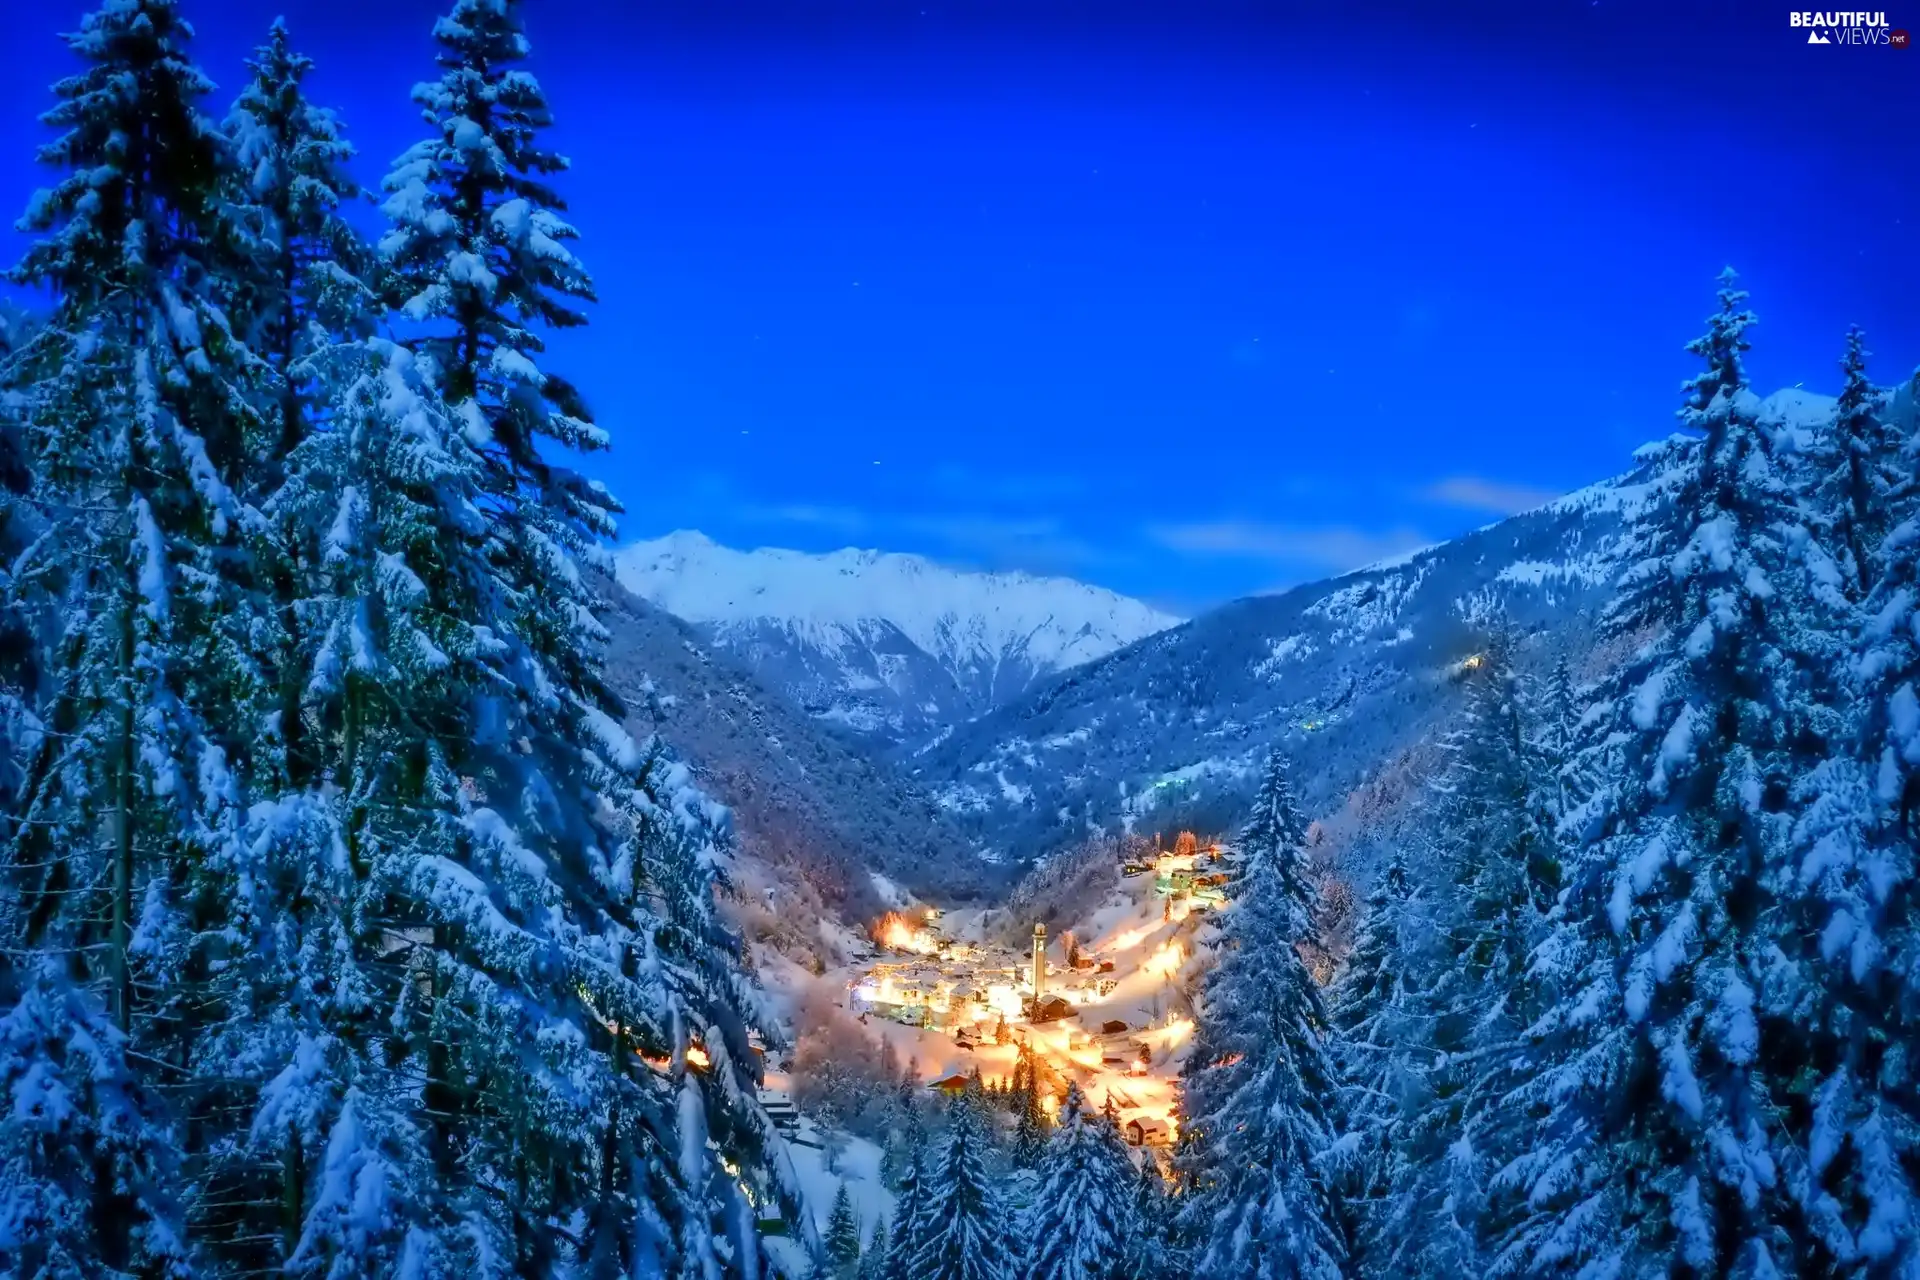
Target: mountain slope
{"points": [[1353, 675], [801, 799], [888, 647]]}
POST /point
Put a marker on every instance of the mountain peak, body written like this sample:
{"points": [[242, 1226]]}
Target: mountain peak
{"points": [[883, 641]]}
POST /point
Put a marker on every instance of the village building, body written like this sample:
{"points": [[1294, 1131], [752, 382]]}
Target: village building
{"points": [[953, 1086], [1144, 1131], [1052, 1009]]}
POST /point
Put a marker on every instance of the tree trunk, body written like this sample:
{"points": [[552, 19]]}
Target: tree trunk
{"points": [[440, 1097], [293, 1181], [120, 935]]}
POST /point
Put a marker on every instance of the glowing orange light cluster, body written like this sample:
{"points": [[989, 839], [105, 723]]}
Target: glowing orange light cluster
{"points": [[896, 933], [1176, 1033], [1165, 962]]}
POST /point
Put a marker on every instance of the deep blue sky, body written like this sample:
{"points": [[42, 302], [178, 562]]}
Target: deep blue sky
{"points": [[1189, 299]]}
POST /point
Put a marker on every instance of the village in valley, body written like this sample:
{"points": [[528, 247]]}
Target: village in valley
{"points": [[1103, 1004]]}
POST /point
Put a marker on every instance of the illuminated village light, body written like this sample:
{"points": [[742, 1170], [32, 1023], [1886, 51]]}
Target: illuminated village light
{"points": [[983, 997], [1165, 962], [895, 933]]}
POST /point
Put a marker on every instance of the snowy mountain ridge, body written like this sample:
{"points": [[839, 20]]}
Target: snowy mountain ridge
{"points": [[1355, 676], [888, 645]]}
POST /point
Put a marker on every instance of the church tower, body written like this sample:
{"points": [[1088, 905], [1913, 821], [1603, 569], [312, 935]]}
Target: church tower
{"points": [[1039, 963]]}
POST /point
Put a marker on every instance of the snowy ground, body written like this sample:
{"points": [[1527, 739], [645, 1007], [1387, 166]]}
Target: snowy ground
{"points": [[848, 1161]]}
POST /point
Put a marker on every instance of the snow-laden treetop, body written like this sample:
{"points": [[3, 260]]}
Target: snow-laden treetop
{"points": [[825, 599]]}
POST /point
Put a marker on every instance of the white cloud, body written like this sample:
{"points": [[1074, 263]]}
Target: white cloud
{"points": [[1475, 493], [1041, 544], [1326, 548]]}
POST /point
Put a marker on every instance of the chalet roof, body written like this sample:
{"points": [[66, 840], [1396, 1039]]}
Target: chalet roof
{"points": [[1052, 1007]]}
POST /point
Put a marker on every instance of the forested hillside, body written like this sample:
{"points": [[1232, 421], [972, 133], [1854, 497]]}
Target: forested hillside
{"points": [[1356, 675], [801, 799], [347, 933]]}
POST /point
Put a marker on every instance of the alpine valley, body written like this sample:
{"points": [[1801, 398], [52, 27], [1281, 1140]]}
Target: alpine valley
{"points": [[1038, 711]]}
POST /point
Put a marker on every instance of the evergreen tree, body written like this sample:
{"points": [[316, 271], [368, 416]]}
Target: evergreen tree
{"points": [[843, 1235], [478, 264], [1556, 743], [1030, 1129], [308, 278], [1652, 1149], [873, 1262], [1152, 1255], [543, 881], [20, 526], [319, 810], [1494, 851], [1080, 1226], [1856, 461], [87, 1164], [962, 1222], [909, 1234], [140, 421], [904, 1131], [1378, 1016], [302, 287], [1848, 974], [23, 601], [1259, 1088]]}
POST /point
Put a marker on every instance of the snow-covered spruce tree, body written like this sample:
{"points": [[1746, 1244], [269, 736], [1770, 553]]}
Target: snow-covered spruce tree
{"points": [[22, 602], [873, 1260], [391, 618], [1030, 1125], [1848, 977], [304, 288], [310, 267], [1381, 1028], [1080, 1226], [88, 1165], [1556, 742], [843, 1235], [142, 424], [1493, 859], [1259, 1090], [274, 967], [963, 1224], [478, 264], [534, 911], [537, 886], [1153, 1253], [908, 1232], [1857, 462], [905, 1130], [1655, 1144]]}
